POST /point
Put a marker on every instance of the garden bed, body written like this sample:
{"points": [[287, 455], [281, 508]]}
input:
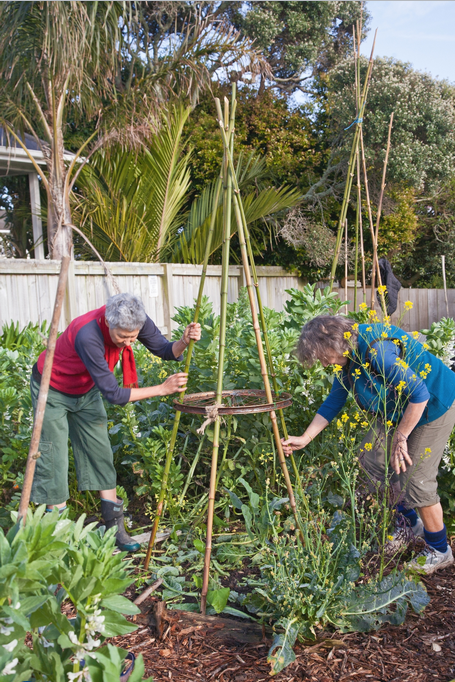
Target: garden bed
{"points": [[423, 648]]}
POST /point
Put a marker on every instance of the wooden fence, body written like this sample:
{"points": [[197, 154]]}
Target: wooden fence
{"points": [[27, 290]]}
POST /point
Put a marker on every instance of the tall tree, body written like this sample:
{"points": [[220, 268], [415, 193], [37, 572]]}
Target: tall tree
{"points": [[88, 58]]}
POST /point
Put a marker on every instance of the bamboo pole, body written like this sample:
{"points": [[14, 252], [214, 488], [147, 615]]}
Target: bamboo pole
{"points": [[350, 175], [171, 446], [346, 266], [271, 364], [227, 205], [443, 263], [238, 200], [360, 221], [33, 453], [257, 332], [378, 217], [370, 219]]}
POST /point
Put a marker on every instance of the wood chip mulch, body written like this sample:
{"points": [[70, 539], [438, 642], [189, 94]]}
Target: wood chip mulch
{"points": [[421, 650]]}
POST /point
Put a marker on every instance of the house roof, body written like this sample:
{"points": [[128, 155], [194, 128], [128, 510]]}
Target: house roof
{"points": [[14, 160]]}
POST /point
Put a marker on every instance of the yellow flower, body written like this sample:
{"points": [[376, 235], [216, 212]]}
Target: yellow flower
{"points": [[369, 329], [390, 537], [426, 346], [400, 386], [382, 290], [415, 335], [408, 305], [386, 320], [384, 335], [413, 377], [355, 326], [347, 335], [428, 368], [353, 425], [428, 451], [358, 372], [423, 374], [344, 417], [389, 423], [339, 424], [364, 424], [337, 368], [346, 353], [363, 307], [368, 446]]}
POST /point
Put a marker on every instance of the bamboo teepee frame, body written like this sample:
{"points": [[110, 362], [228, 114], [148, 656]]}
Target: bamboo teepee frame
{"points": [[231, 200]]}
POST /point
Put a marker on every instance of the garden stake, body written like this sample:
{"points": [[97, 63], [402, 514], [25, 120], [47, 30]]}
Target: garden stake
{"points": [[171, 446], [238, 204], [378, 217], [237, 197], [346, 265], [33, 453], [257, 332], [264, 372], [360, 223], [348, 185], [370, 218], [443, 264], [227, 201]]}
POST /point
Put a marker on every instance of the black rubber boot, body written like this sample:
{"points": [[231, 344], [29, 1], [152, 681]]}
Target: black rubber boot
{"points": [[112, 513]]}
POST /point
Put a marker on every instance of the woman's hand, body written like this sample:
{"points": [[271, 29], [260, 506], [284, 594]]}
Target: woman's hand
{"points": [[176, 383], [192, 332], [400, 455], [294, 443]]}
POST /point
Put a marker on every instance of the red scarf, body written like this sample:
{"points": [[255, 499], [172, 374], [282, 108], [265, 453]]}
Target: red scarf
{"points": [[112, 354]]}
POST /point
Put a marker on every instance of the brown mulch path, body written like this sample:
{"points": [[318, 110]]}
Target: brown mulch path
{"points": [[421, 650]]}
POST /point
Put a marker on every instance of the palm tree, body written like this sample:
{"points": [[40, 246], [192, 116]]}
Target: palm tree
{"points": [[88, 59], [129, 203]]}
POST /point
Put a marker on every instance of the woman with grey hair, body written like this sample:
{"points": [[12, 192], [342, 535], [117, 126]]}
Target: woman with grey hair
{"points": [[410, 394], [85, 356]]}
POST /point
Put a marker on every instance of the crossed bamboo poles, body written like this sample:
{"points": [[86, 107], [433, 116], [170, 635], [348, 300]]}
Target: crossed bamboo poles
{"points": [[231, 197]]}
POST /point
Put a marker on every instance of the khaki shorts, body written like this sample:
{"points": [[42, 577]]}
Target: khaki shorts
{"points": [[82, 418], [417, 486]]}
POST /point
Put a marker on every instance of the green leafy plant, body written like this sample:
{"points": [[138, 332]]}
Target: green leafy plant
{"points": [[53, 561], [440, 338]]}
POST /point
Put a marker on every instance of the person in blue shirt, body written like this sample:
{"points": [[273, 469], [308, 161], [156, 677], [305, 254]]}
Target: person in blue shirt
{"points": [[409, 396]]}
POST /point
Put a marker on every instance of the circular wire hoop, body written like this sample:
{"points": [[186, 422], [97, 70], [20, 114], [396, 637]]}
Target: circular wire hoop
{"points": [[233, 402]]}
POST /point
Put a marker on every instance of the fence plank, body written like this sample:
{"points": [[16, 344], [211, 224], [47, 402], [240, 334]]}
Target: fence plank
{"points": [[27, 290]]}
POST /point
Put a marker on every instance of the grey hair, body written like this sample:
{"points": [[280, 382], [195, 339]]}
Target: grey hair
{"points": [[125, 311], [322, 336]]}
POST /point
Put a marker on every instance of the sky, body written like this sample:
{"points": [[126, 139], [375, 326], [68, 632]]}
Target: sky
{"points": [[421, 32]]}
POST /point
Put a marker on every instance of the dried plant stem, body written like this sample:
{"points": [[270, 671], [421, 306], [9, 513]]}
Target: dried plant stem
{"points": [[171, 446], [227, 206], [378, 217]]}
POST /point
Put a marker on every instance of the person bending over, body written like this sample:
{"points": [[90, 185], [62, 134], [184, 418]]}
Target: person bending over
{"points": [[85, 356], [411, 394]]}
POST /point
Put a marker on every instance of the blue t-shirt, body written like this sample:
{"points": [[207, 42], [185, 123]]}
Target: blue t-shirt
{"points": [[388, 370]]}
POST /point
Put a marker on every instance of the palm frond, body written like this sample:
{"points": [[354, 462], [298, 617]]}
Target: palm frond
{"points": [[128, 203]]}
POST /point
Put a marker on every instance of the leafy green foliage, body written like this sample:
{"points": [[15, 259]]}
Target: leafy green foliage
{"points": [[440, 339], [310, 302], [44, 564]]}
